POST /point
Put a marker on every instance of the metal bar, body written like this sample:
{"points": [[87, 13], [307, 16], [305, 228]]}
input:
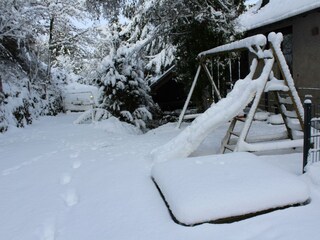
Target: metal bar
{"points": [[307, 131], [189, 96]]}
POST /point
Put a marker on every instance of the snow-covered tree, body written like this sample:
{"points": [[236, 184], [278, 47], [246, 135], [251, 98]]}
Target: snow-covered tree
{"points": [[124, 92], [173, 32], [26, 93], [207, 24]]}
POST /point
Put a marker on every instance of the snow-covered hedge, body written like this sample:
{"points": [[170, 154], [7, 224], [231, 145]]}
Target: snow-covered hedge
{"points": [[22, 101]]}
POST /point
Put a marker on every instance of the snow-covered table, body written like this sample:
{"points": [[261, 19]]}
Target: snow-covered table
{"points": [[225, 187]]}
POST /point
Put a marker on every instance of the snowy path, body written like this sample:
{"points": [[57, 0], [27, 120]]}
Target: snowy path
{"points": [[60, 181]]}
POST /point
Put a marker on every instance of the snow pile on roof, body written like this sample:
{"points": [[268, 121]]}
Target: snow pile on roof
{"points": [[215, 187], [274, 11]]}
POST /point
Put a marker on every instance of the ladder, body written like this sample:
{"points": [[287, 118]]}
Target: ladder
{"points": [[290, 118], [289, 105]]}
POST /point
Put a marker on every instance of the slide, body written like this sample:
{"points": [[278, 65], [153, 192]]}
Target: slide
{"points": [[223, 111]]}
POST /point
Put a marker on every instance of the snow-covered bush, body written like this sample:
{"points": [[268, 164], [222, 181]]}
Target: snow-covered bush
{"points": [[23, 101], [26, 93]]}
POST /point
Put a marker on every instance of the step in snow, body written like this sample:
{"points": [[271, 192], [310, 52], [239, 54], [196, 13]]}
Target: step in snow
{"points": [[291, 114], [285, 100], [276, 85], [294, 124], [211, 188]]}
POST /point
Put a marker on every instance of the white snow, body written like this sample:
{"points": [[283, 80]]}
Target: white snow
{"points": [[274, 11], [269, 146], [261, 116], [294, 124], [275, 119], [276, 85], [222, 186], [111, 195], [313, 173]]}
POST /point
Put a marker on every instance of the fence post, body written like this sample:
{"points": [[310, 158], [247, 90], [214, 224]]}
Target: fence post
{"points": [[307, 132]]}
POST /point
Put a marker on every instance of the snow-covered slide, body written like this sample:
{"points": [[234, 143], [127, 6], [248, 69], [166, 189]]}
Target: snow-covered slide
{"points": [[226, 109]]}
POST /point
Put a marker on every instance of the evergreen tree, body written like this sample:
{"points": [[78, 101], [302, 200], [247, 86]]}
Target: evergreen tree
{"points": [[124, 92], [179, 30], [210, 24]]}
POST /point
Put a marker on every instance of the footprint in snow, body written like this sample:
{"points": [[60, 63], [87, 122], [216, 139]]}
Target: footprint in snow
{"points": [[93, 148], [70, 198], [76, 164], [65, 179], [74, 155], [48, 232], [10, 170]]}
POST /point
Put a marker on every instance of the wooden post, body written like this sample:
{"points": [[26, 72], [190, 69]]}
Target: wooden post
{"points": [[211, 80], [189, 96]]}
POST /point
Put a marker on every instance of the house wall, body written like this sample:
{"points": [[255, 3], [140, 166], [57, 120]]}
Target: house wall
{"points": [[306, 54], [305, 30]]}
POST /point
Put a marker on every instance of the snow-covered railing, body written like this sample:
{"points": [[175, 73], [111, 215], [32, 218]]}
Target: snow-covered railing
{"points": [[311, 150]]}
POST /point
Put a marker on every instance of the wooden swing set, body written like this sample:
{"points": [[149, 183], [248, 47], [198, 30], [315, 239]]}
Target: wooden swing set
{"points": [[287, 99]]}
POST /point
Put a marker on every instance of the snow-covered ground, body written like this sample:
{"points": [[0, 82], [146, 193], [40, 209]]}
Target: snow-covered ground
{"points": [[61, 181]]}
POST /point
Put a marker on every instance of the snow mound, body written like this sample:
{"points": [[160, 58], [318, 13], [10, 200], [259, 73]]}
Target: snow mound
{"points": [[313, 172], [114, 125], [168, 127], [210, 188], [261, 116], [275, 119], [93, 115]]}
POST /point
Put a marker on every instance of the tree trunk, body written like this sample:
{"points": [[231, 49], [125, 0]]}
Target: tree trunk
{"points": [[49, 47]]}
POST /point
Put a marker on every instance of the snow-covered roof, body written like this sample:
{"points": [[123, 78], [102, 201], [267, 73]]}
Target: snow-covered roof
{"points": [[274, 11], [156, 81]]}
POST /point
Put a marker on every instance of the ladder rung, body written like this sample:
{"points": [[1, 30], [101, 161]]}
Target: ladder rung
{"points": [[291, 114], [241, 119], [230, 147], [286, 100], [293, 123], [276, 85], [237, 134]]}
